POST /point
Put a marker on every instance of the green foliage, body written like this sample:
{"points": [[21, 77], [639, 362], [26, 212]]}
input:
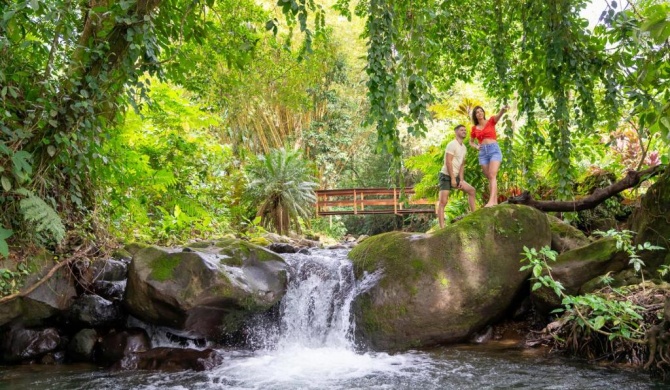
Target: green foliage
{"points": [[640, 62], [251, 228], [332, 227], [67, 73], [663, 270], [167, 178], [4, 235], [46, 223], [616, 318], [282, 189], [567, 79], [381, 223], [11, 281], [538, 262], [624, 243]]}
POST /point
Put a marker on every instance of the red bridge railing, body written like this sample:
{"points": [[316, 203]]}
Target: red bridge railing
{"points": [[371, 201]]}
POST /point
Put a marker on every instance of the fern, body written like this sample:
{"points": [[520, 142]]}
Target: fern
{"points": [[43, 216]]}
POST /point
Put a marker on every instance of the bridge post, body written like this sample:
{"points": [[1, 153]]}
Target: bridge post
{"points": [[355, 203], [395, 201]]}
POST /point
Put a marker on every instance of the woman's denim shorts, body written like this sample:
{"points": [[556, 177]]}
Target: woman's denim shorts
{"points": [[488, 153]]}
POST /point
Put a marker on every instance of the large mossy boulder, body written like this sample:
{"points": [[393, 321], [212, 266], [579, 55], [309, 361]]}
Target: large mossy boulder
{"points": [[651, 222], [208, 292], [574, 268], [444, 287], [564, 236]]}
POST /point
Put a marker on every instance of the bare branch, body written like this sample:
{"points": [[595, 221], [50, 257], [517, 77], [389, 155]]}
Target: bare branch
{"points": [[632, 179]]}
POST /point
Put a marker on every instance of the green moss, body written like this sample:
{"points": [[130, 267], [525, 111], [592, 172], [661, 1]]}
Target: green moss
{"points": [[379, 319], [388, 249], [232, 261], [240, 250], [444, 282], [601, 250], [222, 290], [371, 322], [122, 254], [162, 268], [418, 265], [456, 257], [251, 304], [200, 244], [260, 241], [135, 247]]}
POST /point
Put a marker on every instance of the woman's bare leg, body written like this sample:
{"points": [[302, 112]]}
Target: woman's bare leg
{"points": [[491, 173]]}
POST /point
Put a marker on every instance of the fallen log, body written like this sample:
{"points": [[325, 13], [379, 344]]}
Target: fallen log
{"points": [[631, 179]]}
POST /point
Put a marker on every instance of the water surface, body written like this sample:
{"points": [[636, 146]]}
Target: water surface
{"points": [[312, 347]]}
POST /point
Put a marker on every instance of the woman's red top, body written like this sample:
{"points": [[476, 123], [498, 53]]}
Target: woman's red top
{"points": [[489, 130]]}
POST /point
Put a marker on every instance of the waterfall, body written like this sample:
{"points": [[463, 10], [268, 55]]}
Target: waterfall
{"points": [[316, 310]]}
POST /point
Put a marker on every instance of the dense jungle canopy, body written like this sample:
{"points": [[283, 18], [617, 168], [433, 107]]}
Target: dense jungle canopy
{"points": [[165, 120]]}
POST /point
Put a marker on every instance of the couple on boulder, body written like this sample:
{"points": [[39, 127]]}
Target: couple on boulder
{"points": [[490, 157]]}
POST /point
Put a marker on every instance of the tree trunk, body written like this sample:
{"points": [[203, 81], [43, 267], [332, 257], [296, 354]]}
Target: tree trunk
{"points": [[631, 179]]}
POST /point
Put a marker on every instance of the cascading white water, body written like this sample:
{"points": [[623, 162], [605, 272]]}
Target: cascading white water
{"points": [[316, 310], [313, 345]]}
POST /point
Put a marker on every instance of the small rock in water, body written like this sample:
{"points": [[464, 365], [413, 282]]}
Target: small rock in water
{"points": [[171, 359], [482, 336]]}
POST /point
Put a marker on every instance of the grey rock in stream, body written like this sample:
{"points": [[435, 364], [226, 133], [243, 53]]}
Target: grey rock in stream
{"points": [[208, 291]]}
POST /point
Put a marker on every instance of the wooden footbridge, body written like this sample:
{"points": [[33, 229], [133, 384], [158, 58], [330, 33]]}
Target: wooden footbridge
{"points": [[355, 201]]}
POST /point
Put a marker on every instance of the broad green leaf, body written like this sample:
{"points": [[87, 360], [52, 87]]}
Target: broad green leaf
{"points": [[6, 183], [599, 322], [4, 234]]}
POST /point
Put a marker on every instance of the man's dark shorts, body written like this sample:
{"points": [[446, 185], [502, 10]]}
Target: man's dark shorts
{"points": [[445, 182]]}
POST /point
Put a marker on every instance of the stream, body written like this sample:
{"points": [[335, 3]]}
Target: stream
{"points": [[312, 346]]}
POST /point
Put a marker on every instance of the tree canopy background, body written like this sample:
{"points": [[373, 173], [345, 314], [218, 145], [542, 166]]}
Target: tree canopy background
{"points": [[140, 116]]}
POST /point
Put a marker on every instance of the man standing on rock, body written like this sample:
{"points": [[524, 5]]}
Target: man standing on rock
{"points": [[451, 175]]}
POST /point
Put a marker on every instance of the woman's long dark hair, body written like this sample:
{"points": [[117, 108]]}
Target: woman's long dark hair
{"points": [[474, 115]]}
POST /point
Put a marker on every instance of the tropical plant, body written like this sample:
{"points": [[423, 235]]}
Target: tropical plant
{"points": [[167, 177], [12, 281], [68, 71], [614, 318], [281, 187], [331, 226], [624, 243]]}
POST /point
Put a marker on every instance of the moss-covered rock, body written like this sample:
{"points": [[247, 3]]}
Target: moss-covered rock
{"points": [[260, 241], [651, 222], [444, 287], [52, 297], [135, 247], [122, 255], [564, 236], [574, 268], [209, 292]]}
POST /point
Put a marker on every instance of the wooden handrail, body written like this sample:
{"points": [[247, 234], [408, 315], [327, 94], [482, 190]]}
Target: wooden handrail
{"points": [[368, 201]]}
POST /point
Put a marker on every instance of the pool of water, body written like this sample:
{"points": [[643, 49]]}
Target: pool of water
{"points": [[462, 367]]}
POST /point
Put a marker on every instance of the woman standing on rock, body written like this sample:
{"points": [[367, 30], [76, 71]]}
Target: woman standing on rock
{"points": [[490, 156]]}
